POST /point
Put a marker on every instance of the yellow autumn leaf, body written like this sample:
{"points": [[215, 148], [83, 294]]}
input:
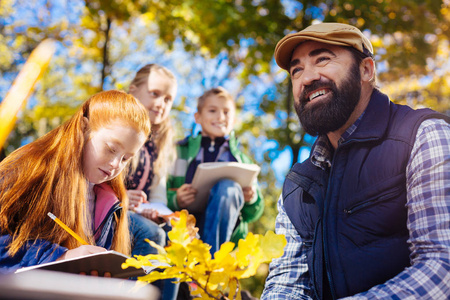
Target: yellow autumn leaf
{"points": [[255, 260], [217, 279], [179, 233], [200, 251], [223, 252], [272, 246], [157, 275], [246, 248], [156, 246], [176, 254], [228, 264]]}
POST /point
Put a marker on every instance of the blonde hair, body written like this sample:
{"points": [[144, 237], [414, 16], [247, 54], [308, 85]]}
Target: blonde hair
{"points": [[47, 176], [164, 135], [217, 91]]}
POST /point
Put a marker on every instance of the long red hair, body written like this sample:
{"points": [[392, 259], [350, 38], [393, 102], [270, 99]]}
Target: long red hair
{"points": [[47, 176]]}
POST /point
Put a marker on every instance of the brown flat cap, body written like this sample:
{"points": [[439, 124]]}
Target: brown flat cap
{"points": [[330, 33]]}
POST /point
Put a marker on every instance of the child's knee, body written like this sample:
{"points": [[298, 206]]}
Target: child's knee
{"points": [[229, 192], [227, 185]]}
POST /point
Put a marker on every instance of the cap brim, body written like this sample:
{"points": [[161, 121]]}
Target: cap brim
{"points": [[287, 45]]}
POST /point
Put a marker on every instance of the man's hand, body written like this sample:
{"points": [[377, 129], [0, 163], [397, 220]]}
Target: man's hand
{"points": [[185, 195]]}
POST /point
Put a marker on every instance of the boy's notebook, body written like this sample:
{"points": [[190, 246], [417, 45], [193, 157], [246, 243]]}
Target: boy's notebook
{"points": [[108, 261], [208, 174]]}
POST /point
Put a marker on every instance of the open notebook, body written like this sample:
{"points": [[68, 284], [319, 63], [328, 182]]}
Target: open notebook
{"points": [[108, 261], [208, 174]]}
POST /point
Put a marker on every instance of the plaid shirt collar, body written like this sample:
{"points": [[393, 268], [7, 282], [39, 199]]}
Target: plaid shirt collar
{"points": [[323, 150]]}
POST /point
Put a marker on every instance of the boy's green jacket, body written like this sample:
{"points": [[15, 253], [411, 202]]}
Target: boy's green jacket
{"points": [[187, 150]]}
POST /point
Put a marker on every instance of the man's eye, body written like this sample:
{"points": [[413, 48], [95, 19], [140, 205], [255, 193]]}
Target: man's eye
{"points": [[322, 59], [296, 72]]}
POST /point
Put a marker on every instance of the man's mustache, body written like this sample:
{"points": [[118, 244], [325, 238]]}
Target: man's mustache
{"points": [[314, 86]]}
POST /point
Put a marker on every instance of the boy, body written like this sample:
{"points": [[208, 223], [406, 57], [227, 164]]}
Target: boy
{"points": [[230, 208]]}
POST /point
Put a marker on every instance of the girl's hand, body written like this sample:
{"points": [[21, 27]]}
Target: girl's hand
{"points": [[135, 198], [249, 193], [81, 251], [185, 195], [85, 250], [152, 214]]}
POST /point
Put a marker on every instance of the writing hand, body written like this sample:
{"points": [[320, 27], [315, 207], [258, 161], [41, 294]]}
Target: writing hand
{"points": [[84, 250]]}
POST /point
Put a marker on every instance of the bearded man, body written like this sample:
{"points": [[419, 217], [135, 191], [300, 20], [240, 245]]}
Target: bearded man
{"points": [[367, 216]]}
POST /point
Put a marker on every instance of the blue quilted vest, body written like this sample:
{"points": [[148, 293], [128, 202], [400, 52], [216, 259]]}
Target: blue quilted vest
{"points": [[352, 217]]}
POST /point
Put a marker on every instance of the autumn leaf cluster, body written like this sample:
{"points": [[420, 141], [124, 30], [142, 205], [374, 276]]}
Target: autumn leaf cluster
{"points": [[188, 259]]}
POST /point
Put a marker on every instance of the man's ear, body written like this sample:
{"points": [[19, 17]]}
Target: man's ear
{"points": [[85, 124], [367, 69]]}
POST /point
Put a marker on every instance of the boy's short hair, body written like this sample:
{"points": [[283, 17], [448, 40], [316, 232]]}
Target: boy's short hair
{"points": [[217, 91]]}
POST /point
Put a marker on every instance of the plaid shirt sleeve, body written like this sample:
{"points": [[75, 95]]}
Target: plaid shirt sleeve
{"points": [[288, 277], [428, 204]]}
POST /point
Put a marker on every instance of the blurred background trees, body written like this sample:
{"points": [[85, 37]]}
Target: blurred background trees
{"points": [[101, 43]]}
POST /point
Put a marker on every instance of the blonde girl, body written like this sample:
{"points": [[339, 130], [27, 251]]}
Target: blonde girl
{"points": [[155, 87]]}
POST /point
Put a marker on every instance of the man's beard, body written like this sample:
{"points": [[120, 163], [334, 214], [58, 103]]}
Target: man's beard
{"points": [[329, 115]]}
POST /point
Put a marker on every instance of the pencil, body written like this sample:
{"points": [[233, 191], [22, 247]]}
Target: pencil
{"points": [[64, 226]]}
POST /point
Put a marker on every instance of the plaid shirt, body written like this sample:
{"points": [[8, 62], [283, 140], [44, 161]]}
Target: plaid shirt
{"points": [[428, 204]]}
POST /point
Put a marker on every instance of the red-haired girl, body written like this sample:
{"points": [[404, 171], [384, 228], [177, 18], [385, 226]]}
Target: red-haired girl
{"points": [[75, 172]]}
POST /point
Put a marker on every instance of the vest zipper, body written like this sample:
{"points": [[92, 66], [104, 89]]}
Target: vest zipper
{"points": [[325, 232], [325, 211], [363, 205], [313, 274]]}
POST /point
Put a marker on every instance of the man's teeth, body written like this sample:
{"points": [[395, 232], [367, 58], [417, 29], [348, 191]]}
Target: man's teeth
{"points": [[316, 94]]}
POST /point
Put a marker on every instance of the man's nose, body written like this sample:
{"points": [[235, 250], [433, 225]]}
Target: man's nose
{"points": [[310, 74]]}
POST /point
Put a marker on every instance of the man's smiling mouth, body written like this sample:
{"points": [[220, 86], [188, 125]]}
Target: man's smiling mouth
{"points": [[317, 94]]}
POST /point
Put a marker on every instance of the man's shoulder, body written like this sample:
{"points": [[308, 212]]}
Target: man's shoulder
{"points": [[435, 123], [406, 120], [401, 112]]}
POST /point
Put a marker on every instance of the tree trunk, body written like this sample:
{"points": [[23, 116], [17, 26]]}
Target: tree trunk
{"points": [[106, 66]]}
